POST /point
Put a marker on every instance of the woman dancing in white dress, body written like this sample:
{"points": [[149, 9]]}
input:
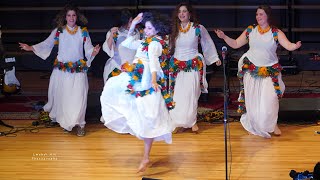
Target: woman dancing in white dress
{"points": [[68, 86], [188, 78], [133, 102], [112, 46], [260, 73]]}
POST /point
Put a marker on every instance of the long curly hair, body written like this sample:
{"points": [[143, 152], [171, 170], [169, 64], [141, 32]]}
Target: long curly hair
{"points": [[60, 19], [160, 22], [176, 23]]}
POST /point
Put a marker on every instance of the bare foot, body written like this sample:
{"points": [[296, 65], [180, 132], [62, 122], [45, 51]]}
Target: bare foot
{"points": [[195, 128], [176, 130], [249, 133], [277, 131], [179, 130], [143, 165]]}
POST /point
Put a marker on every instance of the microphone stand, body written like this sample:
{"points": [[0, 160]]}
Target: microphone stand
{"points": [[225, 109]]}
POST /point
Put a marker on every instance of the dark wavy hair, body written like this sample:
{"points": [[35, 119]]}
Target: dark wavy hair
{"points": [[125, 17], [267, 9], [60, 19], [176, 23], [160, 22]]}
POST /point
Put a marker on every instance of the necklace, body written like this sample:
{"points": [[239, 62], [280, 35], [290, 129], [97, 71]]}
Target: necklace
{"points": [[262, 31], [185, 30], [72, 32]]}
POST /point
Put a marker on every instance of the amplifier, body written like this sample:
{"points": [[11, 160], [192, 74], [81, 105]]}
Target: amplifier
{"points": [[299, 109]]}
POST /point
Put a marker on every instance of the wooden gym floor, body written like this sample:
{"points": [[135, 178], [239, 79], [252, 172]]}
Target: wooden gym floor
{"points": [[103, 154], [48, 153]]}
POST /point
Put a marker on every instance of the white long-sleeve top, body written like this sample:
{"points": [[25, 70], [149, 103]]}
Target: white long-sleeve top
{"points": [[151, 57], [118, 52], [70, 47], [187, 46]]}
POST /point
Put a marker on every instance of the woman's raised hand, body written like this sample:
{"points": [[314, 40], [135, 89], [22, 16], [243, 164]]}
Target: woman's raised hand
{"points": [[218, 63], [298, 44], [137, 19], [25, 47], [114, 30], [220, 33], [96, 50]]}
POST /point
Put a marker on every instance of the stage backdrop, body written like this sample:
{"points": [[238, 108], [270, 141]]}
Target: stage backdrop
{"points": [[31, 21]]}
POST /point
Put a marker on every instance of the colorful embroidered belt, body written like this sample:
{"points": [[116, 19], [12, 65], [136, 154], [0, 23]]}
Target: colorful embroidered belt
{"points": [[258, 72], [176, 66], [72, 67], [135, 71]]}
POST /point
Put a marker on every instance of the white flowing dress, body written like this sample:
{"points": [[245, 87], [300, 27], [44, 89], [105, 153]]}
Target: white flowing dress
{"points": [[143, 117], [118, 54], [67, 93], [187, 88], [261, 100]]}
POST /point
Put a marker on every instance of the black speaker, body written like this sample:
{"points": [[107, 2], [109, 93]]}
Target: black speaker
{"points": [[299, 110]]}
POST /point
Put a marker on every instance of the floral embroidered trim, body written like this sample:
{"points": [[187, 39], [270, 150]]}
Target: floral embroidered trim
{"points": [[72, 32], [185, 30], [165, 46], [258, 72], [115, 72], [163, 59], [84, 32], [141, 33], [135, 71], [72, 67], [262, 31], [176, 66], [249, 30], [56, 38], [139, 29], [115, 37], [165, 53], [273, 30], [197, 30], [275, 34]]}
